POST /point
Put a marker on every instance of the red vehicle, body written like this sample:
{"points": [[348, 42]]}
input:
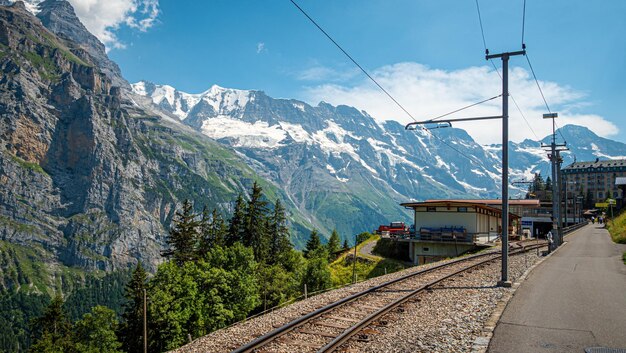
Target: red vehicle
{"points": [[394, 228]]}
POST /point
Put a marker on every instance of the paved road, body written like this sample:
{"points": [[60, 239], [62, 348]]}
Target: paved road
{"points": [[574, 299]]}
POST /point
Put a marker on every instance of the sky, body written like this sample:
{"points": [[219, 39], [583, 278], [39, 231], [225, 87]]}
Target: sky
{"points": [[428, 54]]}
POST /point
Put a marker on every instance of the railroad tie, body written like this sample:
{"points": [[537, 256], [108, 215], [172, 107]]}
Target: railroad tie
{"points": [[317, 333]]}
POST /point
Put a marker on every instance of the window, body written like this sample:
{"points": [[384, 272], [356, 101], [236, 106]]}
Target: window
{"points": [[462, 209], [431, 209]]}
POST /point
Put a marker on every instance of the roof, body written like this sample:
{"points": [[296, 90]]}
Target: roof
{"points": [[515, 202], [597, 164], [461, 203], [620, 181]]}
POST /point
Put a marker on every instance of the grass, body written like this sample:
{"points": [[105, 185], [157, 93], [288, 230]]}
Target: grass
{"points": [[367, 266], [624, 258], [28, 165], [617, 228]]}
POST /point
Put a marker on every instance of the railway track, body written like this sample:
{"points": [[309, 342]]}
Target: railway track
{"points": [[327, 328]]}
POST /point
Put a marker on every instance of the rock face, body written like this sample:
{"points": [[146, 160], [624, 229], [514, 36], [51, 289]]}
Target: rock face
{"points": [[86, 174]]}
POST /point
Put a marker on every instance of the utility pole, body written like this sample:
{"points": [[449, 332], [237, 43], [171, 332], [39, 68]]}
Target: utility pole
{"points": [[556, 205], [504, 281], [145, 321]]}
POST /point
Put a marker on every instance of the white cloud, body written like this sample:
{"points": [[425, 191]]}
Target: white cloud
{"points": [[427, 93], [104, 17], [260, 47]]}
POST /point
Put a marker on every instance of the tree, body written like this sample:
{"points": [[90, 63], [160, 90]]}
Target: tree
{"points": [[314, 243], [345, 246], [52, 331], [131, 329], [334, 245], [213, 231], [548, 184], [95, 333], [317, 274], [278, 234], [184, 236], [236, 225], [255, 224], [362, 237], [200, 297]]}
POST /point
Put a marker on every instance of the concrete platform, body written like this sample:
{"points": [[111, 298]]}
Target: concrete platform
{"points": [[573, 300]]}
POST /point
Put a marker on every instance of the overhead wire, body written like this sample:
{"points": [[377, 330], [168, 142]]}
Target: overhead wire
{"points": [[376, 82], [482, 31], [466, 107], [523, 24]]}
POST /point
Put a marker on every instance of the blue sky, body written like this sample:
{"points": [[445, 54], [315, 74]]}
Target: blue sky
{"points": [[428, 53]]}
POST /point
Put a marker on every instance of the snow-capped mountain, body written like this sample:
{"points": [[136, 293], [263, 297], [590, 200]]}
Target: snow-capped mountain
{"points": [[346, 170]]}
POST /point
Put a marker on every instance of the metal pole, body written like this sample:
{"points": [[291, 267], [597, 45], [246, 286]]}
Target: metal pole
{"points": [[555, 197], [145, 321], [560, 204], [505, 172], [564, 180], [354, 263]]}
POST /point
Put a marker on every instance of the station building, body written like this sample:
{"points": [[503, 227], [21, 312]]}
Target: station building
{"points": [[448, 228]]}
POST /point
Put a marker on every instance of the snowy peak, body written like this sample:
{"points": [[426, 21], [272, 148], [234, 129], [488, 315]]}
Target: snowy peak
{"points": [[219, 100]]}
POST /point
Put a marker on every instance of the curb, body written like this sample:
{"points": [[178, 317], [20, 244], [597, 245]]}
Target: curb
{"points": [[481, 343]]}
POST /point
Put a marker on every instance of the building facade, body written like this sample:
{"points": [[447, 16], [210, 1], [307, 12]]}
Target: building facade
{"points": [[592, 182]]}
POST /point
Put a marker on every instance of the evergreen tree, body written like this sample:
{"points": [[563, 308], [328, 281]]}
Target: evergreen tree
{"points": [[95, 333], [184, 236], [52, 331], [334, 245], [213, 231], [548, 184], [256, 223], [279, 234], [314, 243], [345, 246], [131, 330], [236, 225]]}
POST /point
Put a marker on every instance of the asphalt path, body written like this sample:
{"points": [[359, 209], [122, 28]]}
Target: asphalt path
{"points": [[573, 300]]}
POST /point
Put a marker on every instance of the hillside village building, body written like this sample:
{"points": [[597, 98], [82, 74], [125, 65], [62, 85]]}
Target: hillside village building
{"points": [[597, 180]]}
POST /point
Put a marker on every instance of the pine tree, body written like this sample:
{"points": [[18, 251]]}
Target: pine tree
{"points": [[345, 246], [278, 234], [131, 329], [313, 244], [256, 235], [236, 225], [213, 231], [52, 331], [548, 184], [334, 245], [183, 239]]}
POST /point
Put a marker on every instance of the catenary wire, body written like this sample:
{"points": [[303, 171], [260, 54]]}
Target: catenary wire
{"points": [[523, 23], [515, 103], [466, 107], [376, 82], [482, 31], [537, 82]]}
